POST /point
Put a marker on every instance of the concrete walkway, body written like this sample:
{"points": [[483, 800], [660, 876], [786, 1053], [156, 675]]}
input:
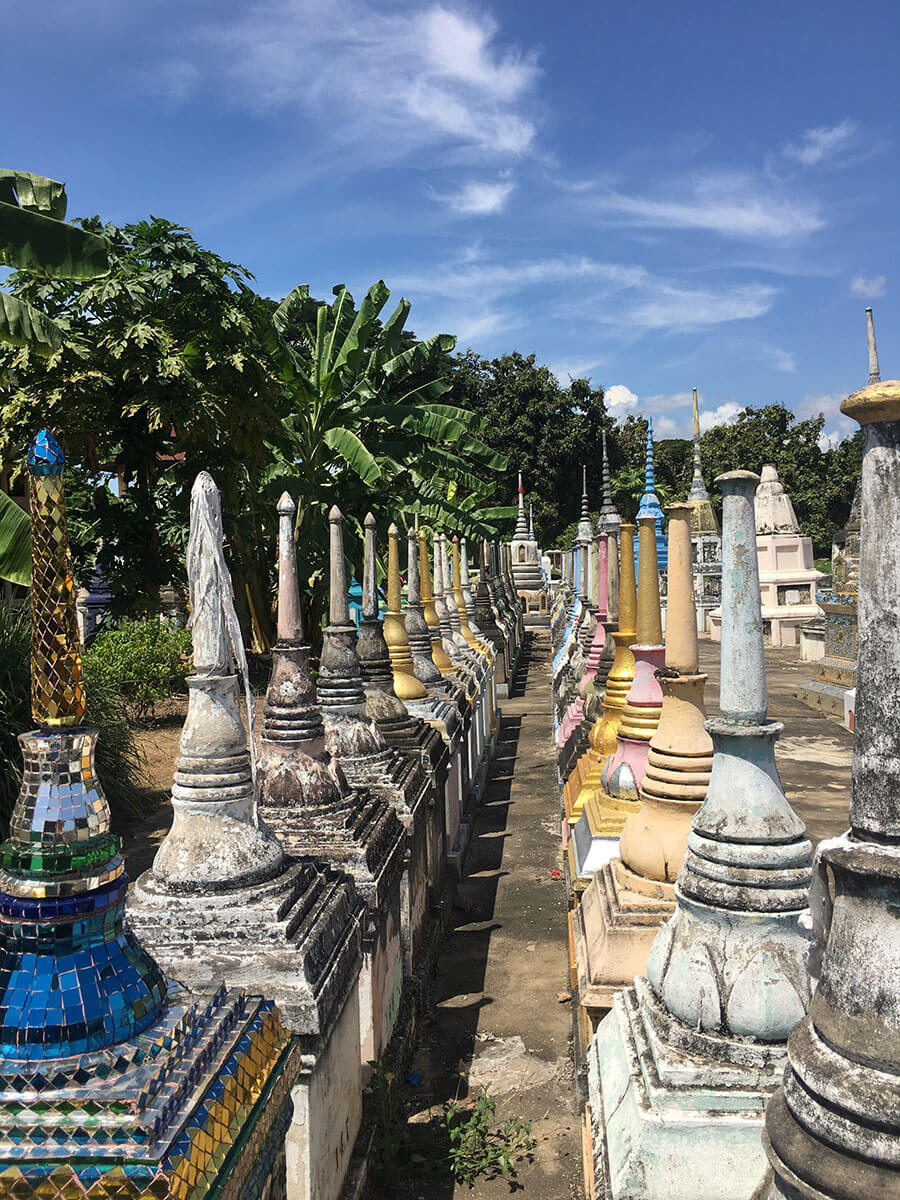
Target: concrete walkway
{"points": [[501, 995]]}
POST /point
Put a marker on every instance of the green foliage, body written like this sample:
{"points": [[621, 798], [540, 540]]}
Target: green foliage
{"points": [[143, 662], [162, 373], [35, 238], [119, 761], [369, 426], [476, 1148], [546, 431], [819, 482], [15, 542], [463, 1141]]}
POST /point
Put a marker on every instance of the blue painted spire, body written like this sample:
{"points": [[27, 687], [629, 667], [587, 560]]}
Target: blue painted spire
{"points": [[650, 506]]}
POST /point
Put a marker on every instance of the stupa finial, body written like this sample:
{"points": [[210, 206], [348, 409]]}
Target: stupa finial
{"points": [[874, 370], [585, 525], [338, 603], [609, 517], [57, 682], [290, 617], [370, 585], [698, 487]]}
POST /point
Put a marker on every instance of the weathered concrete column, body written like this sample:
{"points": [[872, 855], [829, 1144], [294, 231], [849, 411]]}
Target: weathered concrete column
{"points": [[441, 659], [833, 1129], [690, 1054]]}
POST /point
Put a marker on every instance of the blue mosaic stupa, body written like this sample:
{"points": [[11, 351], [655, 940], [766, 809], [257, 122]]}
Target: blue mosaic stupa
{"points": [[650, 506], [114, 1080]]}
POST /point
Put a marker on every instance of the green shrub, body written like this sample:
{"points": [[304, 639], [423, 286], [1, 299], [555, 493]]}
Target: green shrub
{"points": [[142, 662], [119, 761]]}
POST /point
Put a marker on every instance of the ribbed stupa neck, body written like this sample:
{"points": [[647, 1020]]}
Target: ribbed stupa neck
{"points": [[521, 525]]}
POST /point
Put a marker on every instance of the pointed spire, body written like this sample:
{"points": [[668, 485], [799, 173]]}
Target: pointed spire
{"points": [[531, 522], [521, 528], [698, 487], [649, 479], [585, 525], [290, 618], [874, 370], [609, 517]]}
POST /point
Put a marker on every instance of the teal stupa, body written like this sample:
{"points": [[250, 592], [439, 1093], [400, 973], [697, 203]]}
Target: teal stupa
{"points": [[650, 506]]}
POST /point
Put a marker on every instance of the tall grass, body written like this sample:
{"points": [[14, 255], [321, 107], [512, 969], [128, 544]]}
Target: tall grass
{"points": [[119, 760]]}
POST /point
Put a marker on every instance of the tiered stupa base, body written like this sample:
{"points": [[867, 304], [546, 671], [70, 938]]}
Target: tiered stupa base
{"points": [[197, 1105], [613, 928], [676, 1114]]}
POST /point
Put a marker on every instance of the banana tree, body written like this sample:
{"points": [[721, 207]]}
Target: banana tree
{"points": [[34, 237], [367, 428]]}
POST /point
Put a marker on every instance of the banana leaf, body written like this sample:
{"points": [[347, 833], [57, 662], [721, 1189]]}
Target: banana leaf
{"points": [[34, 192], [43, 246], [25, 326], [15, 542]]}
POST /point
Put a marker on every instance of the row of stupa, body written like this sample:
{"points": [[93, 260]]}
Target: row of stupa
{"points": [[209, 1035], [787, 572], [737, 997]]}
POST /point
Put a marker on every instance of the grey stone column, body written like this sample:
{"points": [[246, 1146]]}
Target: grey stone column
{"points": [[833, 1130]]}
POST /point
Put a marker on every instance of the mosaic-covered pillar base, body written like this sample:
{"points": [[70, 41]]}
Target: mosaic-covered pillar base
{"points": [[196, 1105]]}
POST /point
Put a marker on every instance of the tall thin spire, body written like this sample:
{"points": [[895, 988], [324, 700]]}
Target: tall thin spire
{"points": [[521, 532], [874, 370], [650, 506], [585, 525], [698, 487], [609, 518]]}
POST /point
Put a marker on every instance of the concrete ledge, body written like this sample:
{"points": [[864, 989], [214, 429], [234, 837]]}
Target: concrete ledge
{"points": [[826, 697]]}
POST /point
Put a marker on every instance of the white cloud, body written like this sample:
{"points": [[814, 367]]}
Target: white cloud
{"points": [[665, 427], [823, 142], [389, 82], [868, 287], [724, 414], [479, 198], [730, 204], [618, 398]]}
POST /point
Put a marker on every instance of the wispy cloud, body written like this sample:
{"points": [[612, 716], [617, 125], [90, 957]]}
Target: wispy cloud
{"points": [[667, 306], [388, 81], [494, 279], [729, 204], [822, 143], [624, 295], [868, 287], [479, 198], [783, 360]]}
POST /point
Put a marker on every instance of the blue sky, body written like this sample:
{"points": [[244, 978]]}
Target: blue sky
{"points": [[655, 195]]}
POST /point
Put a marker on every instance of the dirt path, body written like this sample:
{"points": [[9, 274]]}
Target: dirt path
{"points": [[504, 967]]}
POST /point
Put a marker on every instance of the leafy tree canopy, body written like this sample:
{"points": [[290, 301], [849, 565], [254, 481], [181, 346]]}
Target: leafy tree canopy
{"points": [[545, 430]]}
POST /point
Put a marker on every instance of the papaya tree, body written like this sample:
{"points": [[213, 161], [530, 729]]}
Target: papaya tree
{"points": [[35, 238]]}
